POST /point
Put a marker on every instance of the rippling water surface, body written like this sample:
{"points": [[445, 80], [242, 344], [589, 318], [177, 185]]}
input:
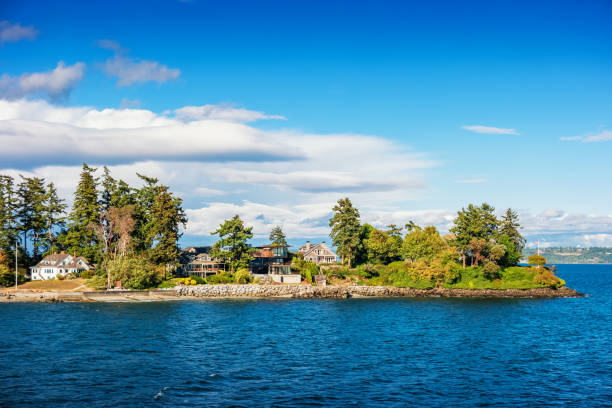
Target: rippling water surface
{"points": [[356, 352]]}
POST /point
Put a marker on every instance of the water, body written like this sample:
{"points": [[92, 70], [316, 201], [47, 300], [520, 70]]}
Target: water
{"points": [[356, 352]]}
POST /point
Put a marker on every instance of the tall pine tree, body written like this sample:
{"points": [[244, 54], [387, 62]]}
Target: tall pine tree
{"points": [[80, 238], [232, 245], [345, 229], [54, 215], [8, 205], [167, 216], [30, 212]]}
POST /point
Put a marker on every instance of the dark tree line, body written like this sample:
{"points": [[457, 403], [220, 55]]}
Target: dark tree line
{"points": [[108, 219]]}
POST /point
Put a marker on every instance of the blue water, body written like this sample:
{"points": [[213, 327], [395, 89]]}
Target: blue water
{"points": [[356, 352]]}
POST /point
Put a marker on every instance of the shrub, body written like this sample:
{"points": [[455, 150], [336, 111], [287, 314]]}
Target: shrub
{"points": [[87, 274], [490, 270], [136, 272], [59, 276], [242, 275], [537, 260], [7, 276], [223, 277], [97, 282], [547, 278]]}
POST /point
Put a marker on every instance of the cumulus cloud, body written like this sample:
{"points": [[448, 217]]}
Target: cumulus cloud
{"points": [[16, 32], [221, 112], [603, 136], [55, 84], [129, 70], [490, 130]]}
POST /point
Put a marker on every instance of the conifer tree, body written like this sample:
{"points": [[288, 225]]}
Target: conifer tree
{"points": [[8, 204], [345, 229], [80, 238], [54, 215], [167, 216], [509, 226], [277, 236], [144, 199], [232, 245], [30, 211], [477, 222]]}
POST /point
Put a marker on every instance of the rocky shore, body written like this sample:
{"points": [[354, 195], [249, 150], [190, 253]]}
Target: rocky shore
{"points": [[308, 292]]}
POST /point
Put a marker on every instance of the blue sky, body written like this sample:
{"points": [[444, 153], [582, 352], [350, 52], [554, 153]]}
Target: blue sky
{"points": [[412, 109]]}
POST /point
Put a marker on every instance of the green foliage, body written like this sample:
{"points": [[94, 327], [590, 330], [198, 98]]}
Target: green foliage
{"points": [[135, 272], [242, 275], [475, 222], [490, 270], [536, 259], [167, 216], [232, 245], [7, 276], [88, 274], [512, 255], [307, 269], [80, 238], [277, 236], [509, 227], [546, 277], [97, 282], [223, 277], [345, 229], [423, 243], [383, 247]]}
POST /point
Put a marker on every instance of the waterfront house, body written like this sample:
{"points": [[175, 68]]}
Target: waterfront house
{"points": [[317, 253], [59, 264], [196, 261], [272, 262]]}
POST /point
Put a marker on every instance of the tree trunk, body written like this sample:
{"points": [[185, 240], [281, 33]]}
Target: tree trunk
{"points": [[463, 257], [349, 258]]}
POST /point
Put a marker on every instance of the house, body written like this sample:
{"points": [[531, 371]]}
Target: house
{"points": [[317, 253], [271, 262], [59, 264], [196, 261]]}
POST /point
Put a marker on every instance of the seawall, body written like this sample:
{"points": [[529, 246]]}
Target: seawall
{"points": [[308, 292]]}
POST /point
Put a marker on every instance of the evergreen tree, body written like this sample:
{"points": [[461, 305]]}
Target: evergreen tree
{"points": [[80, 238], [277, 236], [232, 245], [474, 222], [167, 216], [30, 211], [144, 199], [345, 229], [109, 185], [8, 205], [509, 226], [53, 213]]}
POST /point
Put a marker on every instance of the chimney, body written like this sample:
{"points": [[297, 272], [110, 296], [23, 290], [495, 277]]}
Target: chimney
{"points": [[307, 245], [323, 244]]}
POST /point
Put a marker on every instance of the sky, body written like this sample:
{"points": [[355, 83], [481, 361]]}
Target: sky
{"points": [[274, 110]]}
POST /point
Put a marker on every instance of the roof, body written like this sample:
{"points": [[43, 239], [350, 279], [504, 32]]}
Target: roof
{"points": [[314, 247], [54, 260]]}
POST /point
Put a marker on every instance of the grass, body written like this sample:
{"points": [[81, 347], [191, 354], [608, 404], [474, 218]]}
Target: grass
{"points": [[170, 283], [53, 284]]}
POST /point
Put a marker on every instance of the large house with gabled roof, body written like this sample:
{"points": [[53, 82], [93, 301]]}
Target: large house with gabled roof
{"points": [[318, 253], [59, 264]]}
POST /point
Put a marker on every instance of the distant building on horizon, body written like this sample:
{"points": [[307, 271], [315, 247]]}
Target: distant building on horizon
{"points": [[318, 253], [59, 264]]}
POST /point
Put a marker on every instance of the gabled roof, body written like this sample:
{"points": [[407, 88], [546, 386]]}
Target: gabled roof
{"points": [[55, 261], [315, 247]]}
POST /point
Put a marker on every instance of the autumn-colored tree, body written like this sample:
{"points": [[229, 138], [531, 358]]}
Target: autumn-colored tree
{"points": [[537, 260]]}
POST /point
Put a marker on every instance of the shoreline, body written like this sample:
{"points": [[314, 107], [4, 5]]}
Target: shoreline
{"points": [[252, 291]]}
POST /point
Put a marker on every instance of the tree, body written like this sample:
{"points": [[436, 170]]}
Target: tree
{"points": [[361, 253], [167, 216], [345, 229], [30, 211], [277, 237], [423, 243], [232, 245], [474, 222], [383, 247], [537, 260], [8, 222], [53, 214], [80, 238], [144, 199], [509, 226]]}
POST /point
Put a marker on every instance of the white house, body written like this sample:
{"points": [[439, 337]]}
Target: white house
{"points": [[317, 253], [58, 264]]}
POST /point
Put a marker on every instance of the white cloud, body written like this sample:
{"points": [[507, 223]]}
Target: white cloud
{"points": [[133, 70], [221, 112], [16, 32], [603, 136], [472, 181], [598, 240], [56, 84], [490, 130]]}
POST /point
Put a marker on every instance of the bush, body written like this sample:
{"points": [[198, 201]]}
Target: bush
{"points": [[136, 272], [87, 274], [59, 276], [223, 277], [7, 276], [242, 276], [97, 282], [547, 278], [490, 270]]}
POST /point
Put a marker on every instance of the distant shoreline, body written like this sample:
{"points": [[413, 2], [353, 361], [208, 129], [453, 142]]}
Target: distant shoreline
{"points": [[281, 291]]}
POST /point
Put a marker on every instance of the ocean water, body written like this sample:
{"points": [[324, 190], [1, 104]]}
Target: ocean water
{"points": [[287, 353]]}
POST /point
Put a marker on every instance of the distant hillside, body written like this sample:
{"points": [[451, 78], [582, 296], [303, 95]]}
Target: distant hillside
{"points": [[558, 255]]}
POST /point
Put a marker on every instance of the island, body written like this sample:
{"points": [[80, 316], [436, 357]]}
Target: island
{"points": [[122, 243]]}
